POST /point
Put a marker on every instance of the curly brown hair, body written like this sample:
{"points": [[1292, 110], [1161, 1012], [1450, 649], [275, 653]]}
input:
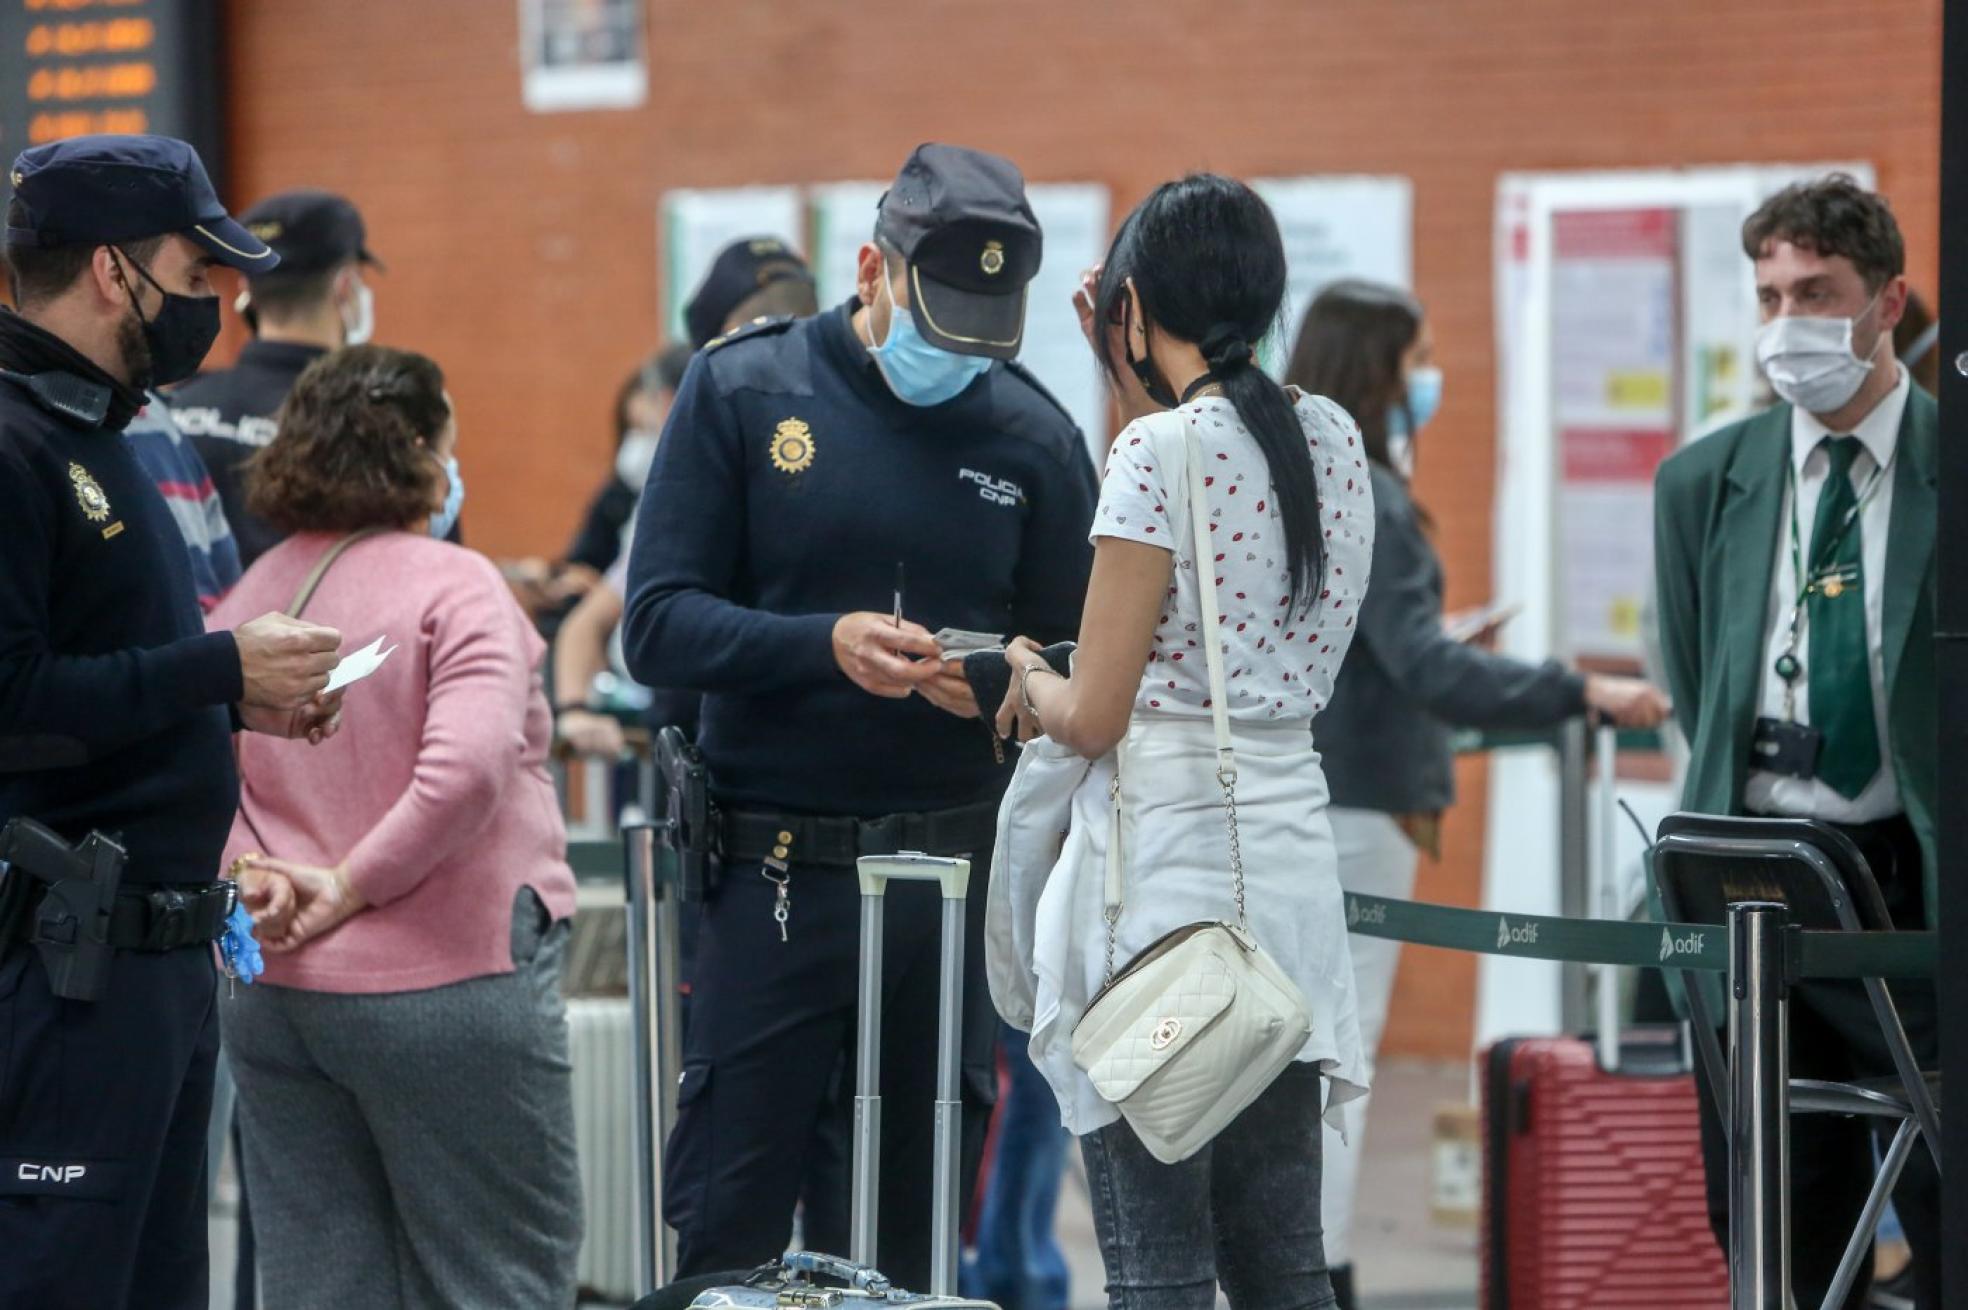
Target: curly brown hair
{"points": [[355, 445], [1831, 216]]}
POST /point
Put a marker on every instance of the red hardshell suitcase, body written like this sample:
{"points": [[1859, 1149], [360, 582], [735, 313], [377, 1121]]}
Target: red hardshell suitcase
{"points": [[1594, 1196], [1593, 1190]]}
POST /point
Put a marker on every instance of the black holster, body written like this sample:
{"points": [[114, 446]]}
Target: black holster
{"points": [[689, 825], [68, 922]]}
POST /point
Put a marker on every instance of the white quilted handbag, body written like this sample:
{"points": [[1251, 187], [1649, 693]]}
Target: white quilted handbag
{"points": [[1199, 1023]]}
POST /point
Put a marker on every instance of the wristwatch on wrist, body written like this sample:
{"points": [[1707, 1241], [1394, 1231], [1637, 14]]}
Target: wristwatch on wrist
{"points": [[1025, 689]]}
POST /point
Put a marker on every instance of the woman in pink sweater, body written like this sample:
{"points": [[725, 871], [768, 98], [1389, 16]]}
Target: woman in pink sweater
{"points": [[402, 1064]]}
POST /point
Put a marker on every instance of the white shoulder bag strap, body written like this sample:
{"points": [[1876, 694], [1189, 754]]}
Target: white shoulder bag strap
{"points": [[1226, 755]]}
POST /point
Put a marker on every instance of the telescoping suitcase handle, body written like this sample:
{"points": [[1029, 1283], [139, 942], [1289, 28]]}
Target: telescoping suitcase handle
{"points": [[953, 876]]}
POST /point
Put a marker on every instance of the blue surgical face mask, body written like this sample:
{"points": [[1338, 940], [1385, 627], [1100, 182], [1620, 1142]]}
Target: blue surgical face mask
{"points": [[454, 500], [917, 372], [1424, 398]]}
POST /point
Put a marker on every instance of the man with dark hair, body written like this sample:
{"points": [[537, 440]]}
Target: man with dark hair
{"points": [[316, 300], [116, 716], [1794, 553], [805, 463]]}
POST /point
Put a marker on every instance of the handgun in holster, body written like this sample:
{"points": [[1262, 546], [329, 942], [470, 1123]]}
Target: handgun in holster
{"points": [[690, 818], [69, 925]]}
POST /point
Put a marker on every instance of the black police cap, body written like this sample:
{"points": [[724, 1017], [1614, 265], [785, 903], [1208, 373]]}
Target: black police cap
{"points": [[102, 190], [310, 229], [961, 220], [738, 273]]}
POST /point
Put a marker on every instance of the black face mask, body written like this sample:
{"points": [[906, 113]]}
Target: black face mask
{"points": [[178, 336], [1144, 368]]}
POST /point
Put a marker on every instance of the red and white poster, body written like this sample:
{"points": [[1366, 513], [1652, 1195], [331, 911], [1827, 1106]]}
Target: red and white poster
{"points": [[1614, 343]]}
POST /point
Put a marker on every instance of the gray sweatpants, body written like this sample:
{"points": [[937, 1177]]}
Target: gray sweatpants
{"points": [[414, 1150]]}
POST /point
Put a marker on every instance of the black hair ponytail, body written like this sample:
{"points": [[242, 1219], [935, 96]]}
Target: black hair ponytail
{"points": [[1209, 267]]}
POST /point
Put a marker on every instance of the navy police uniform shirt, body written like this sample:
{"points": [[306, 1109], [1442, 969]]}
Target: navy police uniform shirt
{"points": [[114, 701], [789, 483], [229, 416]]}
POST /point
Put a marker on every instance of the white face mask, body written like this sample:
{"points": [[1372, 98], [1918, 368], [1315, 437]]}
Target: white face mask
{"points": [[1810, 361], [1401, 454], [359, 319], [637, 453]]}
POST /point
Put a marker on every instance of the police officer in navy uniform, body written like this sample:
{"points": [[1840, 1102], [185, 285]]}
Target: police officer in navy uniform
{"points": [[313, 299], [117, 710], [810, 470]]}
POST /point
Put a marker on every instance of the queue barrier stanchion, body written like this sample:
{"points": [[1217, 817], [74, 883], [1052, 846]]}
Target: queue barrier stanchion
{"points": [[1758, 1116], [1572, 745], [653, 942], [1762, 953]]}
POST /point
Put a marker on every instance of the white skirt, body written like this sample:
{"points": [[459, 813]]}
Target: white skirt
{"points": [[1046, 933]]}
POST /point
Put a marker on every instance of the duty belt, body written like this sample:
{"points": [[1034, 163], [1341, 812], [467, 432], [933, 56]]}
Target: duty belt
{"points": [[162, 917], [839, 841]]}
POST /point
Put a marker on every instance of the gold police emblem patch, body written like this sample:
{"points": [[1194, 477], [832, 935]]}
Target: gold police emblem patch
{"points": [[89, 494], [792, 446], [992, 260]]}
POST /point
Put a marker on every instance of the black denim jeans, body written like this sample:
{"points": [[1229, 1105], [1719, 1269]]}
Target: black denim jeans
{"points": [[1243, 1211]]}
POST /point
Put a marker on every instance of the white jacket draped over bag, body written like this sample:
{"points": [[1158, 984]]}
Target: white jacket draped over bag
{"points": [[1045, 931]]}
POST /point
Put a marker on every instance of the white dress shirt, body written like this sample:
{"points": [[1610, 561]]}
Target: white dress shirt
{"points": [[1879, 433]]}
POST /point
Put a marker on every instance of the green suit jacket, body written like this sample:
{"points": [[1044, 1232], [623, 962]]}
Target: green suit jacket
{"points": [[1718, 520]]}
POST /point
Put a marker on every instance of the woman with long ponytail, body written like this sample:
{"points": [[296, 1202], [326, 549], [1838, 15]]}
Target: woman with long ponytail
{"points": [[1192, 283]]}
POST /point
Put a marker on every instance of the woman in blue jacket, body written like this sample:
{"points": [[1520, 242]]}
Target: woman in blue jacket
{"points": [[1407, 681]]}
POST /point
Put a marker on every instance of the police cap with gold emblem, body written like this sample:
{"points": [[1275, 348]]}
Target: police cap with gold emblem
{"points": [[960, 219], [102, 190], [311, 230], [740, 271]]}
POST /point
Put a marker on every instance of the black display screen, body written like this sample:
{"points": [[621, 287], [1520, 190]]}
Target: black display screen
{"points": [[74, 67]]}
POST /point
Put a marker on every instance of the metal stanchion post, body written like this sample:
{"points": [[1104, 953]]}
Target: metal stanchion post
{"points": [[1759, 1109], [653, 979], [1574, 867], [1605, 886]]}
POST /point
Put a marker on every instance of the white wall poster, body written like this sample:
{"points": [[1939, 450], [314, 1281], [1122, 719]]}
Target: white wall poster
{"points": [[582, 54], [1333, 228]]}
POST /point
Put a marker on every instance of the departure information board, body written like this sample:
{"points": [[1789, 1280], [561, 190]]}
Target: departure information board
{"points": [[73, 67]]}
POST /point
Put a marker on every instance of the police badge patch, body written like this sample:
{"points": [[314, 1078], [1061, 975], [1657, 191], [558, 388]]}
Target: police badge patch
{"points": [[792, 446], [89, 494]]}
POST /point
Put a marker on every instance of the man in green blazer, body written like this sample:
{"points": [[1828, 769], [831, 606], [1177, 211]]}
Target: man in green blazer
{"points": [[1794, 556]]}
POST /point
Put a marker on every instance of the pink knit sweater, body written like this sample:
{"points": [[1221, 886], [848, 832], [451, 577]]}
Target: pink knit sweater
{"points": [[436, 791]]}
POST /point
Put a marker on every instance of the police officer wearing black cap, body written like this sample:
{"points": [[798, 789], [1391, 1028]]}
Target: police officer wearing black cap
{"points": [[815, 475], [117, 710], [315, 301], [752, 278]]}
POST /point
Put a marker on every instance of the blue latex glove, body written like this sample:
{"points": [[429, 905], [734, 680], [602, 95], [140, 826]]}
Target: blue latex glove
{"points": [[238, 947]]}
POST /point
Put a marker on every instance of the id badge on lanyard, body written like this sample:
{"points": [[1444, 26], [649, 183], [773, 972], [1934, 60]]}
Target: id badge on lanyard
{"points": [[1784, 746]]}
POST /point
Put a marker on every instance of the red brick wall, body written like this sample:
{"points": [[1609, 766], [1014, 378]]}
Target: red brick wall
{"points": [[522, 247]]}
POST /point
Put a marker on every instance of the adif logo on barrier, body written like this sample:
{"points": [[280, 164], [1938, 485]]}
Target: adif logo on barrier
{"points": [[52, 1173], [1357, 914], [1524, 934], [1671, 946]]}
